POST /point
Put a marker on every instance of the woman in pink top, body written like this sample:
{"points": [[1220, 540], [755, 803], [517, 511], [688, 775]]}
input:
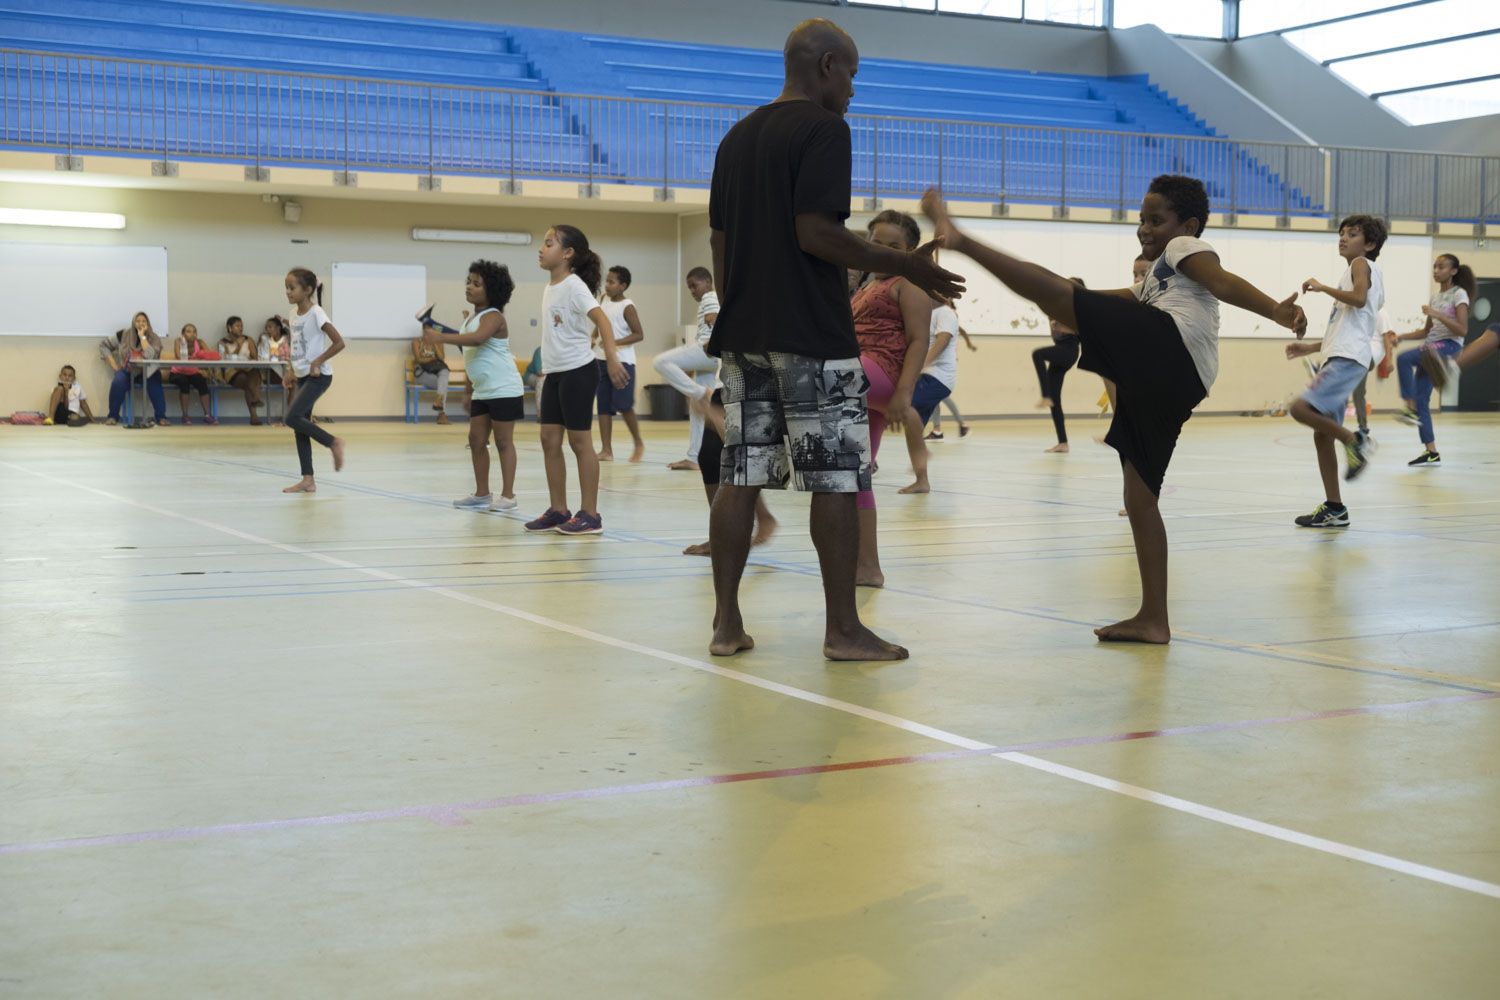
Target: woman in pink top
{"points": [[892, 318]]}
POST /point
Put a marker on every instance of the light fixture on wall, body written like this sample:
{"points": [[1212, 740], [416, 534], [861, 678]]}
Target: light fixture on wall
{"points": [[471, 236], [69, 220], [291, 211]]}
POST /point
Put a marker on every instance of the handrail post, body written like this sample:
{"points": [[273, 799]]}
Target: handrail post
{"points": [[1437, 165], [431, 125], [512, 97], [1124, 166], [874, 163], [1004, 169], [1062, 193], [346, 131], [666, 150], [940, 156], [589, 146]]}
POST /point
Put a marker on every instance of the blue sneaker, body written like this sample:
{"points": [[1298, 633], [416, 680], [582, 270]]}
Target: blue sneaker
{"points": [[472, 502], [582, 524], [549, 521]]}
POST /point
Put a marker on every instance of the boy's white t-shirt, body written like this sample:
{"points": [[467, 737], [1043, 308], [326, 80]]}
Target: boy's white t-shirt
{"points": [[76, 396], [1191, 306], [568, 329], [707, 306], [1446, 303], [616, 313], [1351, 330], [309, 341], [944, 367]]}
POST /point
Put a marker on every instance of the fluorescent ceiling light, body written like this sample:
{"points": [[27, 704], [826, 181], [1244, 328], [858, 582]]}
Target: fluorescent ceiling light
{"points": [[471, 236], [71, 220]]}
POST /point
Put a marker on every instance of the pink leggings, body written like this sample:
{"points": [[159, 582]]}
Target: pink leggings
{"points": [[879, 397]]}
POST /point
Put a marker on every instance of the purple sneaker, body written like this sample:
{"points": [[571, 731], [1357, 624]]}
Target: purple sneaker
{"points": [[549, 521], [582, 524]]}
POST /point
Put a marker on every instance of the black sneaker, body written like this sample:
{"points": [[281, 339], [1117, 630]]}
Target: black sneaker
{"points": [[1324, 517], [1357, 452], [1426, 458]]}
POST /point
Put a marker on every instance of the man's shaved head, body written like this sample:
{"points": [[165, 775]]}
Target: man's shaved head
{"points": [[821, 60]]}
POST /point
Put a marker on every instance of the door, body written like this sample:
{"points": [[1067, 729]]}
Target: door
{"points": [[1479, 389]]}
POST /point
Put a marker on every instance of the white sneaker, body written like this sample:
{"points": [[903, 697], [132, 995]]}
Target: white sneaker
{"points": [[471, 502], [502, 503]]}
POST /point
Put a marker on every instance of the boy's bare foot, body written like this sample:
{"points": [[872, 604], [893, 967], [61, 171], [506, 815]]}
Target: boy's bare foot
{"points": [[1044, 403], [442, 418], [701, 549], [1061, 448], [765, 527], [606, 456], [729, 643], [868, 578], [338, 454], [683, 465], [861, 645], [920, 486], [639, 452], [306, 486], [1136, 629]]}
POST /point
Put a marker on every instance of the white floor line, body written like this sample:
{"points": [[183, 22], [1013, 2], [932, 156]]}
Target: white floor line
{"points": [[1188, 807]]}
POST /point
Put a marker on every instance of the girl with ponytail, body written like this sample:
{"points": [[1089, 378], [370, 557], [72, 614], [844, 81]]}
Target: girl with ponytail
{"points": [[314, 340], [571, 316], [1442, 339]]}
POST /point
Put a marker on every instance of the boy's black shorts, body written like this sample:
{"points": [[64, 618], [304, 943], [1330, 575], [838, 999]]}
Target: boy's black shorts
{"points": [[1138, 348]]}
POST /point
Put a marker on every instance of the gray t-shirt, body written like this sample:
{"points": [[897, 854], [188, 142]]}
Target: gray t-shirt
{"points": [[1192, 306], [1446, 303]]}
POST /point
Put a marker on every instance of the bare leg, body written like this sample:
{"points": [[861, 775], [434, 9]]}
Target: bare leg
{"points": [[1328, 465], [868, 573], [479, 449], [729, 525], [606, 438], [633, 424], [835, 534], [765, 524], [582, 443], [505, 444], [1325, 432], [916, 449], [702, 548], [556, 466], [1150, 622]]}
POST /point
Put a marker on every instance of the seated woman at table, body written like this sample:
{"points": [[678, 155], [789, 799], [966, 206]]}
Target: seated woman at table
{"points": [[429, 369], [237, 347], [275, 344], [188, 378], [136, 342]]}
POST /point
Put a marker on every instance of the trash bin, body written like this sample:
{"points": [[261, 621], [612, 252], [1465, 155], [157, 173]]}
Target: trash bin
{"points": [[666, 403]]}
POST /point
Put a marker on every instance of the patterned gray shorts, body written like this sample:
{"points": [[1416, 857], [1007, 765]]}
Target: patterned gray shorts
{"points": [[794, 419]]}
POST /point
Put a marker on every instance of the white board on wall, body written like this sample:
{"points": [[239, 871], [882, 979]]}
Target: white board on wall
{"points": [[63, 290], [1275, 261], [377, 301]]}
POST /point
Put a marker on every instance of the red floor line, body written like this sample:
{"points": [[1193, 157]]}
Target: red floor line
{"points": [[452, 814]]}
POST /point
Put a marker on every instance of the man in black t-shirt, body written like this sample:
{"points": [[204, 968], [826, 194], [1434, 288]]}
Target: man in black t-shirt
{"points": [[794, 390]]}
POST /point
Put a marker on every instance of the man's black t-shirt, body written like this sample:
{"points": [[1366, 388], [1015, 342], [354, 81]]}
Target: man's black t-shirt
{"points": [[781, 161]]}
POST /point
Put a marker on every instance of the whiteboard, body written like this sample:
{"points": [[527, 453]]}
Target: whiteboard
{"points": [[69, 290], [377, 301], [1275, 261]]}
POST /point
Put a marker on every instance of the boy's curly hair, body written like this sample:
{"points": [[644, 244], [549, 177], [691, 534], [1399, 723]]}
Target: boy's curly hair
{"points": [[1371, 228], [1186, 195]]}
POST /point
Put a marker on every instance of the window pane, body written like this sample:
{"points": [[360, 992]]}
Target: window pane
{"points": [[985, 8], [1257, 16], [1438, 63], [909, 4], [1089, 12], [1398, 27], [1204, 18], [1443, 104]]}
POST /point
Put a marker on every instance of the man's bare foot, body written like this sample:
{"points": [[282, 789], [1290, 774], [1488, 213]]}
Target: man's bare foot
{"points": [[1099, 439], [683, 465], [765, 528], [306, 486], [920, 486], [639, 452], [1123, 513], [1044, 403], [861, 645], [701, 549], [1061, 448], [1136, 629], [729, 643], [338, 454], [606, 456]]}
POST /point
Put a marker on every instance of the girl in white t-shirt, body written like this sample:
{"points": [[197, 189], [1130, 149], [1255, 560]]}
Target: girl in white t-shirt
{"points": [[571, 317], [1158, 342], [1442, 339], [314, 341]]}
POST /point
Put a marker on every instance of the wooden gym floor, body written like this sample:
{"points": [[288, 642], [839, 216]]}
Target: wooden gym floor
{"points": [[363, 744]]}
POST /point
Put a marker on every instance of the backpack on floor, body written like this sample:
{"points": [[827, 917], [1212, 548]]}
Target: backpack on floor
{"points": [[27, 417]]}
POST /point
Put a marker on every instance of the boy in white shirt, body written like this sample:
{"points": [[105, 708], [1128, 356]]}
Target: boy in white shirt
{"points": [[676, 364], [625, 320], [1158, 342], [69, 405], [1352, 326]]}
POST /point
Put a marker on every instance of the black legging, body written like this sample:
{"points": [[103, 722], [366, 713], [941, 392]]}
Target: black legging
{"points": [[1052, 363], [309, 388]]}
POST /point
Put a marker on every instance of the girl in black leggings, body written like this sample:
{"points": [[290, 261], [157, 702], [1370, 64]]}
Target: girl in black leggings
{"points": [[710, 454], [1052, 364]]}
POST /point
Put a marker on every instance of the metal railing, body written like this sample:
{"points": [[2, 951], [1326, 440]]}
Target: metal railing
{"points": [[74, 104]]}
